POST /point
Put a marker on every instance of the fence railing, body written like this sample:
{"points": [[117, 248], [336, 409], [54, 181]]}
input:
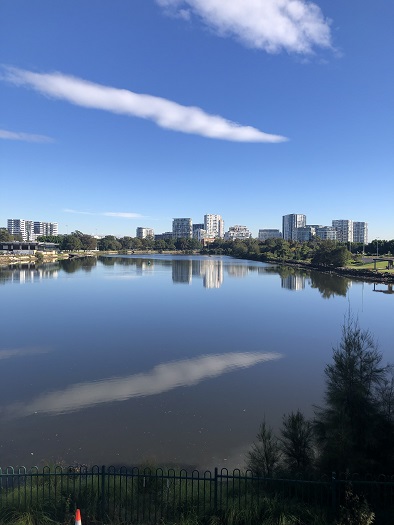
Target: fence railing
{"points": [[145, 495]]}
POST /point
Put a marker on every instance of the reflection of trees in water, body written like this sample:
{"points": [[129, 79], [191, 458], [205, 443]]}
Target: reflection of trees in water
{"points": [[329, 284], [183, 269], [5, 275], [287, 271], [139, 262], [73, 265]]}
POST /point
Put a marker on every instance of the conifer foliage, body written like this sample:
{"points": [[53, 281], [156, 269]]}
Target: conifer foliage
{"points": [[353, 431], [354, 428]]}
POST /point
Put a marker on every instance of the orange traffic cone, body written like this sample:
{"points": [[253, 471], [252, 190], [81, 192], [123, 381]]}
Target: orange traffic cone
{"points": [[78, 517]]}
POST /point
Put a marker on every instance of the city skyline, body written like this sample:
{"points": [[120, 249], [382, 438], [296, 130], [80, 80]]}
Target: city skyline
{"points": [[188, 108]]}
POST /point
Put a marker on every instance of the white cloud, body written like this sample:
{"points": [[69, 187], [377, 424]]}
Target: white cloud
{"points": [[162, 378], [163, 112], [296, 26], [26, 137], [122, 214]]}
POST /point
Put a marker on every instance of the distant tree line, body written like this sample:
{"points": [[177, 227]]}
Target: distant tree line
{"points": [[353, 430], [327, 253], [316, 251]]}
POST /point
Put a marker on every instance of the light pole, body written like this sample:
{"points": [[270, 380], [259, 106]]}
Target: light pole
{"points": [[377, 247]]}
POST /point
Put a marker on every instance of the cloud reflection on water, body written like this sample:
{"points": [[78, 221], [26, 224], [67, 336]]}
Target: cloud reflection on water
{"points": [[21, 352], [161, 378]]}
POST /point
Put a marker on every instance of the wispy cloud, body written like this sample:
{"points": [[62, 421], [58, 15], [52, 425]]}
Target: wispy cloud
{"points": [[161, 378], [125, 215], [165, 113], [122, 214], [296, 26], [26, 137]]}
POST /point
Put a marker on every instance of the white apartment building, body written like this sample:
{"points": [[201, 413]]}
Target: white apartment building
{"points": [[143, 232], [344, 229], [182, 228], [22, 227], [214, 225], [46, 228], [200, 234], [360, 232], [290, 223], [30, 230], [237, 232]]}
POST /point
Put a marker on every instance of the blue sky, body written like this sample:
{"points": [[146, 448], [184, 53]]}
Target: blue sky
{"points": [[124, 113]]}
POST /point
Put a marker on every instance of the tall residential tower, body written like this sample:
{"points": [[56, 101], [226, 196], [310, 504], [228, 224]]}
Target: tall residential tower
{"points": [[290, 223], [214, 225]]}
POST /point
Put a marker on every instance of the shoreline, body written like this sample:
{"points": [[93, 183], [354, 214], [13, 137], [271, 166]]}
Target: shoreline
{"points": [[353, 273]]}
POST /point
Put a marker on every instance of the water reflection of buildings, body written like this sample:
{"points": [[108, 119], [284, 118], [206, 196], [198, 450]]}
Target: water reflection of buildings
{"points": [[211, 272], [293, 282], [182, 271], [237, 270], [28, 274]]}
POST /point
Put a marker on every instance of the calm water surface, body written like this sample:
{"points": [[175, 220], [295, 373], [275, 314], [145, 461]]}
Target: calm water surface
{"points": [[172, 360]]}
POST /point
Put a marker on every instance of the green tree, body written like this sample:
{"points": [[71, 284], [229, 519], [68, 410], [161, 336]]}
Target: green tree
{"points": [[354, 430], [297, 443], [71, 242], [57, 239], [109, 243], [148, 242], [329, 253], [5, 235], [265, 454], [88, 242], [126, 242]]}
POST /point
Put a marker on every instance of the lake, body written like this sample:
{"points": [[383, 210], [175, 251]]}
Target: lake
{"points": [[171, 360]]}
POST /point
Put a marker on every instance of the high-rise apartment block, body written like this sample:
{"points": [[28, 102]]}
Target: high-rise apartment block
{"points": [[143, 232], [182, 228], [290, 223], [21, 227], [214, 225], [344, 229], [30, 230], [45, 228], [269, 234], [360, 232]]}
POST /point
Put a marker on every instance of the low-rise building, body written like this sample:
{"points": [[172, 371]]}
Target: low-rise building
{"points": [[265, 234], [237, 232], [327, 233], [143, 232], [304, 234]]}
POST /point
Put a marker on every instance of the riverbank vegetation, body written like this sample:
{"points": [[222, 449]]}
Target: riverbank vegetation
{"points": [[320, 254]]}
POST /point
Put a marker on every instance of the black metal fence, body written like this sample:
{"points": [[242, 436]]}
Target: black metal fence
{"points": [[149, 496]]}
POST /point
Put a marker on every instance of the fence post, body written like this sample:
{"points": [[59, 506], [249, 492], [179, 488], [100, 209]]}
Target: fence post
{"points": [[334, 493], [215, 492], [103, 492]]}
